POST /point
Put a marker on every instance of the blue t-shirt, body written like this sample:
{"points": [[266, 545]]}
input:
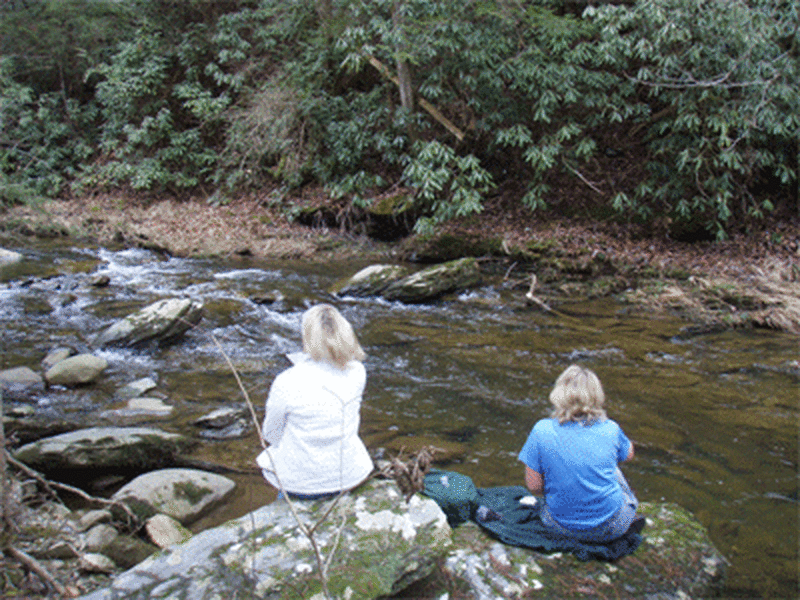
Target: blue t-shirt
{"points": [[578, 463]]}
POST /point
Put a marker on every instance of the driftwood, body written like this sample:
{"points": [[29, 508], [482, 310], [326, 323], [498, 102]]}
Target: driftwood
{"points": [[532, 299], [430, 108], [410, 474]]}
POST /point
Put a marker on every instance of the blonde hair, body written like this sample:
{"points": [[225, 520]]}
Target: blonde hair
{"points": [[578, 396], [328, 337]]}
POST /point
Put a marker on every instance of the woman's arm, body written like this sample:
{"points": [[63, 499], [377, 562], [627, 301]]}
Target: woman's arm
{"points": [[534, 481], [630, 453], [275, 413]]}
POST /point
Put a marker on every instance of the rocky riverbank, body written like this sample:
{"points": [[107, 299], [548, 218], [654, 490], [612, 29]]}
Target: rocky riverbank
{"points": [[749, 281]]}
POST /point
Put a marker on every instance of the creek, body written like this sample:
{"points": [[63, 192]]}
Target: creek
{"points": [[714, 418]]}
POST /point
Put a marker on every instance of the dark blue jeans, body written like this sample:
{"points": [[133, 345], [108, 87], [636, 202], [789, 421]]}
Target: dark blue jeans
{"points": [[309, 496]]}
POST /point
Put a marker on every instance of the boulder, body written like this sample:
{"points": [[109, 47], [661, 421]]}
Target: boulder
{"points": [[390, 217], [379, 543], [76, 370], [370, 281], [393, 282], [183, 494], [435, 281], [163, 321], [140, 448], [383, 544], [675, 560]]}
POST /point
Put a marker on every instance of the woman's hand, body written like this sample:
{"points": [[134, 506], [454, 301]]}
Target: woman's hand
{"points": [[534, 481]]}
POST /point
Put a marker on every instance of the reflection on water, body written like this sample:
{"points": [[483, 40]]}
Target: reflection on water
{"points": [[714, 418]]}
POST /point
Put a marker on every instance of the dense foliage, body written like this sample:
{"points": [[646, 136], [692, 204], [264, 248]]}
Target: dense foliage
{"points": [[531, 100]]}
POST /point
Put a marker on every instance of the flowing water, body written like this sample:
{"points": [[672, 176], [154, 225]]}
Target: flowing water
{"points": [[714, 418]]}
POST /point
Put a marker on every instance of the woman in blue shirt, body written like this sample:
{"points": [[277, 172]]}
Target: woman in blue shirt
{"points": [[572, 458]]}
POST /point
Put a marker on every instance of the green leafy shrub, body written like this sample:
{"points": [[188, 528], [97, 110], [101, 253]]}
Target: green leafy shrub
{"points": [[720, 79], [447, 185], [43, 139]]}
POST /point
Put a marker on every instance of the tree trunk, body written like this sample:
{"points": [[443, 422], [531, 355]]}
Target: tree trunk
{"points": [[403, 68]]}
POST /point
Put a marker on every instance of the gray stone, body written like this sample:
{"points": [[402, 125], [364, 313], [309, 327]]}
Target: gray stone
{"points": [[104, 447], [370, 281], [56, 355], [163, 320], [675, 560], [8, 257], [152, 406], [92, 562], [128, 550], [92, 517], [225, 423], [435, 281], [99, 537], [164, 531], [377, 543], [136, 388], [183, 494], [76, 370], [19, 380], [222, 417]]}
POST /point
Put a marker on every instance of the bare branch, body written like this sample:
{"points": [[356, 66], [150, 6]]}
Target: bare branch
{"points": [[34, 565]]}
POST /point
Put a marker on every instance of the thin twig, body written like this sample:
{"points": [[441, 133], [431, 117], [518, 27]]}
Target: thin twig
{"points": [[508, 271], [49, 485], [34, 565], [582, 178], [302, 526]]}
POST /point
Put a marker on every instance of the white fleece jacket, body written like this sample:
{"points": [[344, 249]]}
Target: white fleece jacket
{"points": [[311, 423]]}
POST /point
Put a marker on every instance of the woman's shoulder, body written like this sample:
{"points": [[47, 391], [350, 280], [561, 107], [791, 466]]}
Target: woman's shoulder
{"points": [[548, 424], [310, 368]]}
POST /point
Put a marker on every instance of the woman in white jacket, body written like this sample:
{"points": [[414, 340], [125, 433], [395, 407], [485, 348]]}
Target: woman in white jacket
{"points": [[313, 412]]}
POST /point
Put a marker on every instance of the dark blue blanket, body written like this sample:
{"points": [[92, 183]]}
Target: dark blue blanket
{"points": [[498, 511]]}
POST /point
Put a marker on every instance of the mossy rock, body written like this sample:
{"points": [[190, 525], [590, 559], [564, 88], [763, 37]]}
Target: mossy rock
{"points": [[675, 560], [435, 281], [369, 281]]}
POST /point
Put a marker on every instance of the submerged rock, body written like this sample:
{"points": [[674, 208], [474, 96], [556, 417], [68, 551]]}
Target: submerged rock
{"points": [[135, 389], [164, 320]]}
